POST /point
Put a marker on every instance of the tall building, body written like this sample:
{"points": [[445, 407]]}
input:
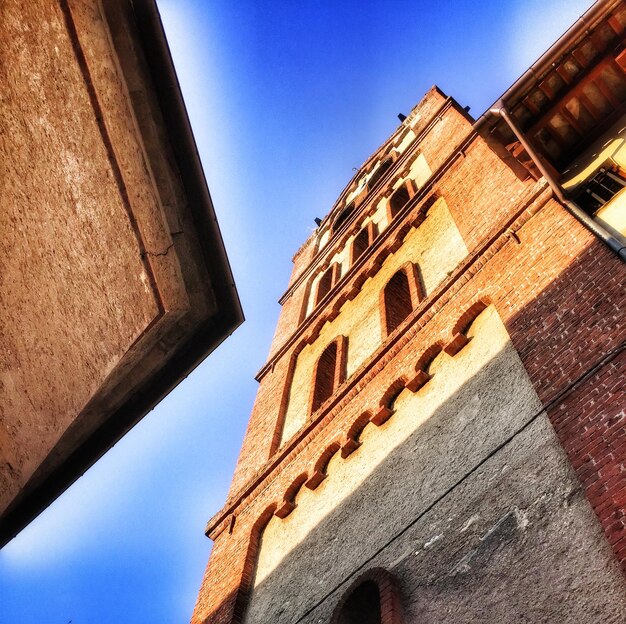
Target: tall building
{"points": [[114, 280], [439, 433]]}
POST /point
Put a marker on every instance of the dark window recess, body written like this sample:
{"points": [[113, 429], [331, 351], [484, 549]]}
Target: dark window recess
{"points": [[360, 244], [363, 606], [398, 200], [325, 375], [600, 189], [397, 300], [343, 217], [379, 173], [324, 285]]}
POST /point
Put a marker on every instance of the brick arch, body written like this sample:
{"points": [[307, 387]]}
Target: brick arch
{"points": [[389, 595], [319, 471], [459, 331], [422, 366], [378, 172], [399, 198], [289, 498], [352, 442], [252, 554], [412, 294], [329, 372], [385, 405]]}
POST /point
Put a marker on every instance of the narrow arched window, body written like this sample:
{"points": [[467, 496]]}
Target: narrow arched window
{"points": [[362, 606], [379, 173], [360, 244], [397, 300], [363, 240], [324, 285], [400, 297], [344, 215], [329, 372], [398, 200]]}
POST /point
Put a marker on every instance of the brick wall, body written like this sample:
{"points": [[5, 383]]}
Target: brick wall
{"points": [[559, 292]]}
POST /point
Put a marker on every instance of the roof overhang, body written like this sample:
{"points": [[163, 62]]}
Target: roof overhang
{"points": [[191, 280]]}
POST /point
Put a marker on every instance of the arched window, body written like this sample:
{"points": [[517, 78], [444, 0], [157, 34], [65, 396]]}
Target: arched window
{"points": [[400, 297], [329, 372], [344, 215], [363, 240], [397, 300], [362, 606], [373, 598], [379, 173], [325, 284], [399, 199], [360, 244]]}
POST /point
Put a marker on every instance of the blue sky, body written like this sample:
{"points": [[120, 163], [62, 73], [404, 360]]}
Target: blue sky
{"points": [[285, 98]]}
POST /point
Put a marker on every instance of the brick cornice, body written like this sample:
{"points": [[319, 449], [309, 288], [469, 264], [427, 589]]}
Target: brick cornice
{"points": [[530, 203]]}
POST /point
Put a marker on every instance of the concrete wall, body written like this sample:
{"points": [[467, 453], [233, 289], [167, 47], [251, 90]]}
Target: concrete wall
{"points": [[112, 269], [76, 291], [464, 494]]}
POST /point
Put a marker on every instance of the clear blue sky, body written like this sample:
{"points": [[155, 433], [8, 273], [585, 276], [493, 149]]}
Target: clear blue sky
{"points": [[285, 98]]}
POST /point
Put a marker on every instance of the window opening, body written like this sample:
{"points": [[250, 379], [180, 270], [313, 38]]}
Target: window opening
{"points": [[343, 216], [397, 301], [398, 200], [325, 375], [363, 606], [360, 244], [600, 189], [379, 173], [324, 285]]}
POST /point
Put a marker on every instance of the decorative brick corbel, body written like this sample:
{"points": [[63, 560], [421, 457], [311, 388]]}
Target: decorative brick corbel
{"points": [[319, 471], [422, 374], [458, 341], [459, 331], [289, 498], [385, 406], [352, 441]]}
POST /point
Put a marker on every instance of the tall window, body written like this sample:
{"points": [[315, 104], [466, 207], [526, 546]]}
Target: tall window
{"points": [[344, 215], [379, 173], [397, 300], [360, 244], [329, 372], [362, 607], [398, 200], [363, 240], [400, 296], [325, 284]]}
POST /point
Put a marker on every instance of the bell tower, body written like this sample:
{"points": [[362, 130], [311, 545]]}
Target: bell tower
{"points": [[438, 430]]}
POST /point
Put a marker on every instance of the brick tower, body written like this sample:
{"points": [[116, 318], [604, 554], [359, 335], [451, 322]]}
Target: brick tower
{"points": [[439, 431]]}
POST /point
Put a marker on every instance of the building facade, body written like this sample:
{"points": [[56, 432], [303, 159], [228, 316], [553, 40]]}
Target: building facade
{"points": [[439, 433], [114, 280]]}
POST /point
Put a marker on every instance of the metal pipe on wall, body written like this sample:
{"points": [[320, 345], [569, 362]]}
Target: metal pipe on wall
{"points": [[614, 244]]}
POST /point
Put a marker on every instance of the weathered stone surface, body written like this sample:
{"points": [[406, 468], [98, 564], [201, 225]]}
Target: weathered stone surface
{"points": [[113, 278]]}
